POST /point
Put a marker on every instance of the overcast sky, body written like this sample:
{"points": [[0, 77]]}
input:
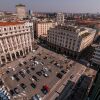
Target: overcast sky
{"points": [[54, 5]]}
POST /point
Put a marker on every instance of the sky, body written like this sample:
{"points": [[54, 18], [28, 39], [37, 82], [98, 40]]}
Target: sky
{"points": [[70, 6]]}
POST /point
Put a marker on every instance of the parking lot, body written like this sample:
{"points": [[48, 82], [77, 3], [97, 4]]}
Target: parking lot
{"points": [[30, 76]]}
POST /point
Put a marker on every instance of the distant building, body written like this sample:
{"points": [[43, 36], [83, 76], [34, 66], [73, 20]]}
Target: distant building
{"points": [[96, 56], [21, 11], [15, 40], [43, 27], [70, 40], [60, 18]]}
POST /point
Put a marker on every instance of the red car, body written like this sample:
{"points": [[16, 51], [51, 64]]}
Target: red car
{"points": [[45, 89]]}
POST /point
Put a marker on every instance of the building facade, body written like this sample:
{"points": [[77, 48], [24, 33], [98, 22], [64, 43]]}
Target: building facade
{"points": [[43, 27], [70, 40], [94, 93], [21, 11], [60, 18], [96, 56], [15, 40]]}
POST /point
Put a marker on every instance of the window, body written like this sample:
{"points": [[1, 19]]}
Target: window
{"points": [[15, 28], [5, 29], [10, 28]]}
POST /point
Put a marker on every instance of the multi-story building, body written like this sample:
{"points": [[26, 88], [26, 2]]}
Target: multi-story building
{"points": [[21, 11], [70, 40], [43, 27], [60, 18], [15, 40], [94, 93], [96, 56]]}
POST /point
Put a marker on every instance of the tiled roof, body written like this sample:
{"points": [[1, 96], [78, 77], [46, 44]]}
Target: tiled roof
{"points": [[10, 23]]}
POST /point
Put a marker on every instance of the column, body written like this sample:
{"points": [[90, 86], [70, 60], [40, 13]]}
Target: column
{"points": [[30, 41], [16, 42], [11, 43], [1, 60], [8, 48], [21, 44], [6, 58], [3, 50], [15, 55], [27, 42], [24, 43]]}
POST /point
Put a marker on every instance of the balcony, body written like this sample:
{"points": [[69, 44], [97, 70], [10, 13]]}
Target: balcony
{"points": [[97, 53], [98, 49], [97, 57], [97, 61]]}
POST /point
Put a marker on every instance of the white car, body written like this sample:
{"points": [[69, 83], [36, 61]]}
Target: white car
{"points": [[33, 51], [36, 62], [31, 79], [45, 69], [45, 74], [12, 78], [36, 97]]}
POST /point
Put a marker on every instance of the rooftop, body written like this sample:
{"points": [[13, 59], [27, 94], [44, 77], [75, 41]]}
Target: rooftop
{"points": [[72, 28], [10, 23], [85, 34], [20, 5]]}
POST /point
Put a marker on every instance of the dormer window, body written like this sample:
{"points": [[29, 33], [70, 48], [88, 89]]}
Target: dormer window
{"points": [[14, 28], [10, 28], [5, 29]]}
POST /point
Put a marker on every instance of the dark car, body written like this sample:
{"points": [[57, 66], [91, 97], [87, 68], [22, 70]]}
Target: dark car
{"points": [[16, 77], [25, 62], [59, 75], [32, 69], [28, 71], [16, 90], [71, 76], [12, 92], [39, 73], [35, 78], [33, 85], [20, 64], [22, 74], [63, 71], [45, 89], [23, 85], [7, 71]]}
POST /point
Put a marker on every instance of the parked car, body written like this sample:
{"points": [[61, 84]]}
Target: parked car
{"points": [[16, 90], [35, 78], [16, 77], [71, 76], [45, 75], [12, 92], [28, 71], [23, 85], [7, 71], [32, 69], [63, 71], [25, 62], [59, 75], [22, 74], [39, 73], [36, 97], [33, 85], [45, 89]]}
